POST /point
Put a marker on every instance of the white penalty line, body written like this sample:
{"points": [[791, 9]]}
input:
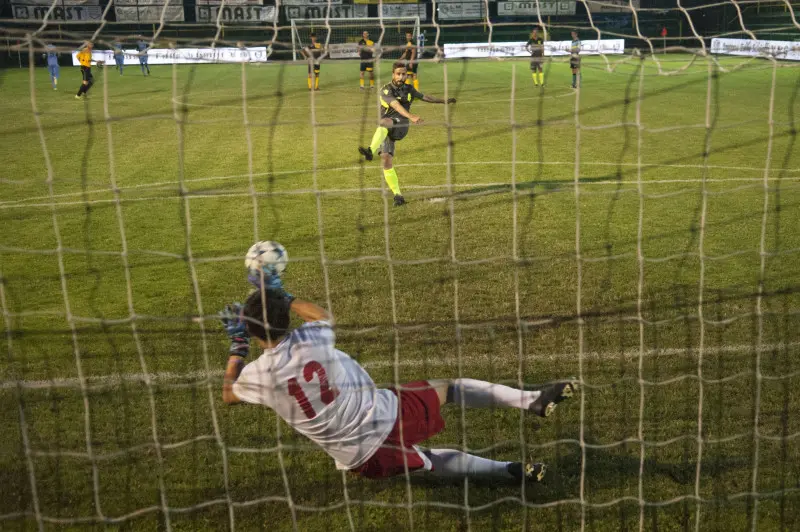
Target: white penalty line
{"points": [[190, 377]]}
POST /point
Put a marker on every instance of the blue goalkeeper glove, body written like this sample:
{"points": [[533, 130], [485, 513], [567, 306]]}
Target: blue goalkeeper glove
{"points": [[273, 284], [236, 330]]}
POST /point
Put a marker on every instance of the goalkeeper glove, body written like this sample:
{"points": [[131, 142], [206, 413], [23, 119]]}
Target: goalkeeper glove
{"points": [[273, 284], [236, 330]]}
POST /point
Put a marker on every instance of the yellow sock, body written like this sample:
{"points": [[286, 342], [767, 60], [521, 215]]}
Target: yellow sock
{"points": [[541, 78], [416, 83], [361, 82], [372, 83], [378, 138], [534, 77], [309, 82], [390, 176], [316, 82]]}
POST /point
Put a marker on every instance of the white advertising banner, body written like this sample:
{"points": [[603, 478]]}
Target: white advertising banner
{"points": [[778, 49], [403, 10], [460, 10], [612, 6], [527, 9], [167, 56], [517, 49], [235, 13], [309, 2], [325, 11], [343, 51]]}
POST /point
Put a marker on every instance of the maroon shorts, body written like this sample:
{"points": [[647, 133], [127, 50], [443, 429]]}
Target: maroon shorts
{"points": [[420, 409]]}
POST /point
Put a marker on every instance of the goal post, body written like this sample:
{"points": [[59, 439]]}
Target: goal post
{"points": [[340, 36]]}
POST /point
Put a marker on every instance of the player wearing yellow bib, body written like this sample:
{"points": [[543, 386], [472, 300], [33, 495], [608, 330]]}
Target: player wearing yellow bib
{"points": [[366, 53], [87, 80], [410, 56], [314, 53], [396, 100]]}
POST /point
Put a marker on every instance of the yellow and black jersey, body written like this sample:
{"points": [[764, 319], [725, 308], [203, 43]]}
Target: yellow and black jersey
{"points": [[403, 94], [85, 58], [315, 50], [365, 49], [575, 50], [409, 51], [536, 46]]}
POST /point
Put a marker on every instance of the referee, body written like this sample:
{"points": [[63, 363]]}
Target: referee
{"points": [[85, 59]]}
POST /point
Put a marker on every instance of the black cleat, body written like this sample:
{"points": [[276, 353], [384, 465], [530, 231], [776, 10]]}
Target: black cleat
{"points": [[366, 152], [550, 396], [529, 472], [399, 200]]}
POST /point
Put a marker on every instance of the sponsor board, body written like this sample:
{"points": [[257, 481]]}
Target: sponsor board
{"points": [[517, 49], [460, 10], [788, 50], [167, 56], [527, 9], [325, 11], [235, 14]]}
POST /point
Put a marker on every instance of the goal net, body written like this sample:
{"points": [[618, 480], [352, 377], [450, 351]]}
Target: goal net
{"points": [[341, 36], [639, 232]]}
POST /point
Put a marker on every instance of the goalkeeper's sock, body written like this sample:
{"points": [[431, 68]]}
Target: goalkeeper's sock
{"points": [[534, 79], [361, 82], [451, 463], [378, 138], [390, 176], [481, 394], [541, 78], [371, 83], [416, 84], [316, 82], [309, 82], [574, 80]]}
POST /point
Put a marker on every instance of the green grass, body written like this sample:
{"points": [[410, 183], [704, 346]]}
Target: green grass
{"points": [[176, 146]]}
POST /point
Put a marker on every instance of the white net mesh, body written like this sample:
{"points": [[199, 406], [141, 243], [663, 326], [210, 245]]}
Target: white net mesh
{"points": [[639, 233]]}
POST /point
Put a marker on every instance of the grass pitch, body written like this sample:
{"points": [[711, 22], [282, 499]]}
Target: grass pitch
{"points": [[642, 235]]}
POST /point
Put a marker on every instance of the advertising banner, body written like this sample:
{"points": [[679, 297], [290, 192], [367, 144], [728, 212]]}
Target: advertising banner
{"points": [[64, 10], [788, 50], [234, 12], [528, 9], [517, 49], [309, 11], [167, 56], [460, 10]]}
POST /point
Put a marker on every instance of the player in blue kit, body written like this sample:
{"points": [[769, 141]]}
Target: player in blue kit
{"points": [[143, 47], [52, 65]]}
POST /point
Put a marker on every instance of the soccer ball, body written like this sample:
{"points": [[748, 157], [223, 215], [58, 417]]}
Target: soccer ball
{"points": [[269, 256]]}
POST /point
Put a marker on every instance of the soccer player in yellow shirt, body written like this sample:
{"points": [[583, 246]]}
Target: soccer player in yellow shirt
{"points": [[85, 60]]}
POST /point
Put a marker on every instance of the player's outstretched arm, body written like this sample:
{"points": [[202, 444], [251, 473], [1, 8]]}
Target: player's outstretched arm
{"points": [[237, 333], [434, 99]]}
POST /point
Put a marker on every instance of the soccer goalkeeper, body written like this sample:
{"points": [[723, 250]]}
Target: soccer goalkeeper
{"points": [[328, 397], [396, 100]]}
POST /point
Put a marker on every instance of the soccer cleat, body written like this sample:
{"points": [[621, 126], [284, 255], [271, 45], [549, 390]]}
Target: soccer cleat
{"points": [[366, 152], [550, 396], [399, 200], [77, 97], [529, 472]]}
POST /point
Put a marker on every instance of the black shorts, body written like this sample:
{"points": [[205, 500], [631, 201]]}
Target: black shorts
{"points": [[86, 74], [397, 132], [574, 63], [366, 66], [536, 63], [411, 67], [316, 69]]}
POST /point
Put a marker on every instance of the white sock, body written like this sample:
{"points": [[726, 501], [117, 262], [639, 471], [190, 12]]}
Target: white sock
{"points": [[482, 394], [450, 463]]}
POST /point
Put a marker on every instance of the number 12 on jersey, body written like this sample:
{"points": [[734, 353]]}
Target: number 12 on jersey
{"points": [[327, 394]]}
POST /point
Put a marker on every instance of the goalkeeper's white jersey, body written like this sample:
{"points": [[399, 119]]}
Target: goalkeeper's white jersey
{"points": [[322, 393]]}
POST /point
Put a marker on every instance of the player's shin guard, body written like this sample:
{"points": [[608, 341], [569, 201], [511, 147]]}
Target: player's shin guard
{"points": [[390, 176], [309, 82], [534, 78], [316, 81], [361, 82], [451, 463], [371, 83], [541, 78], [574, 80], [416, 83], [378, 138]]}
